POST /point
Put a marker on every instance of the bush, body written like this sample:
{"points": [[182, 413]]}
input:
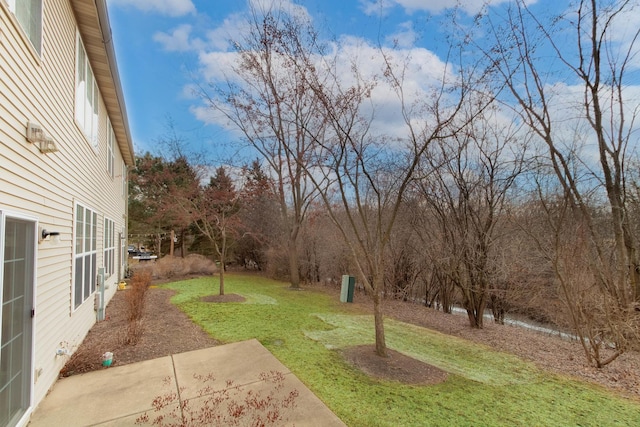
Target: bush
{"points": [[198, 264], [170, 266], [135, 298]]}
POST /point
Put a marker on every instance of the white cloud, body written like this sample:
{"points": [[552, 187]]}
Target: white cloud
{"points": [[217, 66], [287, 6], [571, 131], [376, 7], [422, 71], [404, 37], [190, 91], [622, 33], [382, 7], [164, 7], [231, 28], [178, 40]]}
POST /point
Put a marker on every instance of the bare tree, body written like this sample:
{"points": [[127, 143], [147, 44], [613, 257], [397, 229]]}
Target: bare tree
{"points": [[304, 111], [216, 215], [468, 177], [363, 179], [603, 114], [266, 100], [434, 285]]}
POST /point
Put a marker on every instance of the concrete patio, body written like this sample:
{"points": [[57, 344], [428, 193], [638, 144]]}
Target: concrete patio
{"points": [[117, 396]]}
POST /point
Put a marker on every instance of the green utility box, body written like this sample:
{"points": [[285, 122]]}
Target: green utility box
{"points": [[348, 286]]}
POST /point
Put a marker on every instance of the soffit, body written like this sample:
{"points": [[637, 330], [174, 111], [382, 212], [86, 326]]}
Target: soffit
{"points": [[92, 21]]}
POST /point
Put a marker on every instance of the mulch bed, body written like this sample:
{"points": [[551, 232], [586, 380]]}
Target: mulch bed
{"points": [[395, 367], [167, 330]]}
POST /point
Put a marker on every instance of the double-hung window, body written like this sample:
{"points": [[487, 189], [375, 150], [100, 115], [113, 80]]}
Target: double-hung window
{"points": [[86, 226], [110, 148], [124, 180], [109, 247], [123, 250], [87, 95], [29, 15]]}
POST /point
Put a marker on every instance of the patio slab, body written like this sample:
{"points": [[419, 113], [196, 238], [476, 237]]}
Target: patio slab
{"points": [[119, 395]]}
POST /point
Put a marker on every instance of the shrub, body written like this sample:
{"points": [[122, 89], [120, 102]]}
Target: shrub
{"points": [[135, 298], [231, 406], [170, 266], [198, 264]]}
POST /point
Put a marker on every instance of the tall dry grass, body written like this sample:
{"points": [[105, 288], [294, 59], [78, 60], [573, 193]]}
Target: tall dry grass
{"points": [[168, 266]]}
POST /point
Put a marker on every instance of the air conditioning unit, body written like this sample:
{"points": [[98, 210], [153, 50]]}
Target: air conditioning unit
{"points": [[35, 133]]}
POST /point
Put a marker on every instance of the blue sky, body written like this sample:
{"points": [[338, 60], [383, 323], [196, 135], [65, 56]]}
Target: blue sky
{"points": [[164, 47], [159, 45]]}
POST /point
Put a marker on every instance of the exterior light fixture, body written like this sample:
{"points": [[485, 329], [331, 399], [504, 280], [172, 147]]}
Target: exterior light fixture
{"points": [[48, 145], [37, 135], [44, 234]]}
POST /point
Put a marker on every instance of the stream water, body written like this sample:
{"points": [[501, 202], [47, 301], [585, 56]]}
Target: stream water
{"points": [[522, 323]]}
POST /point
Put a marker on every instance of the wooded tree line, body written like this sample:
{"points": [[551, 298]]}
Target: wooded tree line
{"points": [[498, 191]]}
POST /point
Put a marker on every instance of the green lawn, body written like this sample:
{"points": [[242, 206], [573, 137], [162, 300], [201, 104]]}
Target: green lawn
{"points": [[305, 330]]}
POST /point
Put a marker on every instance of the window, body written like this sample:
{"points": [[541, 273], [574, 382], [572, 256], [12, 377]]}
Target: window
{"points": [[29, 15], [85, 254], [110, 153], [123, 250], [109, 247], [124, 180], [87, 95]]}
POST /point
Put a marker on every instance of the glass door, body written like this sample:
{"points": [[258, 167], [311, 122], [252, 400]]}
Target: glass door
{"points": [[17, 251]]}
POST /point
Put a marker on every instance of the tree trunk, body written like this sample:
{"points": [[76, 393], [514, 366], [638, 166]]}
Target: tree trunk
{"points": [[294, 271], [171, 243], [222, 254], [221, 278], [634, 266], [183, 244], [378, 316], [475, 304]]}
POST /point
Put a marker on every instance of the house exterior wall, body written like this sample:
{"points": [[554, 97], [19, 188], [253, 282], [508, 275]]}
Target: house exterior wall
{"points": [[41, 88]]}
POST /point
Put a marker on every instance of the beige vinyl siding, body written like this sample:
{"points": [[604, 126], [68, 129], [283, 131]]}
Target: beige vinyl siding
{"points": [[42, 89]]}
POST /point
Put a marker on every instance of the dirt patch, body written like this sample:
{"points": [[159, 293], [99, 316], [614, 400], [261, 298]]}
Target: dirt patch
{"points": [[223, 298], [396, 367]]}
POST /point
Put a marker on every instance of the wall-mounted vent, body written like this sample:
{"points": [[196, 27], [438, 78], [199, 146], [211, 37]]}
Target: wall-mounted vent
{"points": [[35, 133]]}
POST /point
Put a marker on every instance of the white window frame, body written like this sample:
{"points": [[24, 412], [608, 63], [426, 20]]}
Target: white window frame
{"points": [[109, 247], [123, 252], [85, 226], [110, 149], [87, 95], [125, 184], [31, 23]]}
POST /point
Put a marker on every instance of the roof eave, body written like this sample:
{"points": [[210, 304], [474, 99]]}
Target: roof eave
{"points": [[93, 23]]}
